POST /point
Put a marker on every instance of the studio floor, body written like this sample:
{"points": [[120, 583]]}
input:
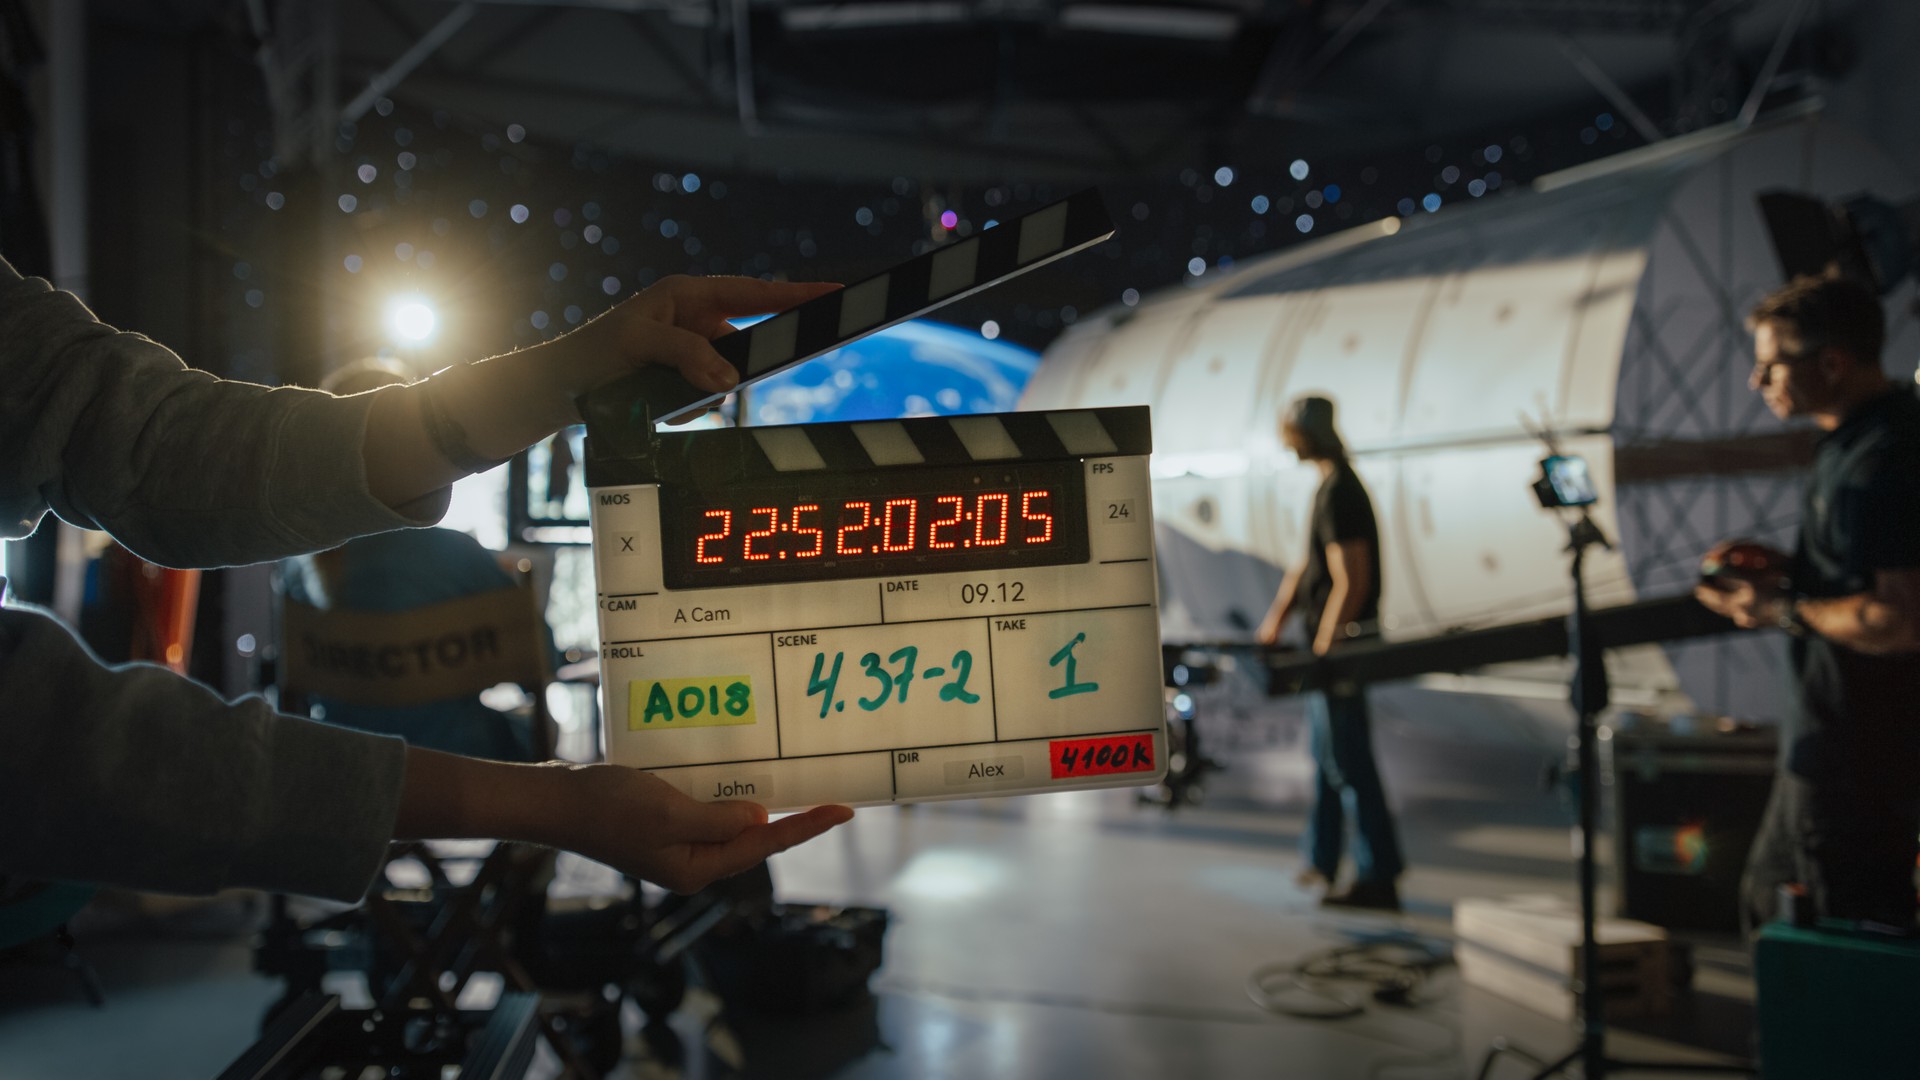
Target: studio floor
{"points": [[1077, 935]]}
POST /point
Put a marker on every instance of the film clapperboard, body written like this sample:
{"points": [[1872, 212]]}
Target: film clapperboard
{"points": [[884, 611]]}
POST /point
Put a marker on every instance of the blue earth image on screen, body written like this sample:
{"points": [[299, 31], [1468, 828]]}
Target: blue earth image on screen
{"points": [[918, 368]]}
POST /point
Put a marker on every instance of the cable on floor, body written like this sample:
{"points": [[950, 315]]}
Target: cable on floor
{"points": [[1341, 981], [1345, 981]]}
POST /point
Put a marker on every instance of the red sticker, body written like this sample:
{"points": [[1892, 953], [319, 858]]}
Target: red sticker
{"points": [[1100, 757]]}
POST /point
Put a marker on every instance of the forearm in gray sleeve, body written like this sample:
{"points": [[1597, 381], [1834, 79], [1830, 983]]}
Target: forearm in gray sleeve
{"points": [[112, 430], [133, 776]]}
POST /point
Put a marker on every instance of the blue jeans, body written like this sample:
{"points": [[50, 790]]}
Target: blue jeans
{"points": [[1340, 734]]}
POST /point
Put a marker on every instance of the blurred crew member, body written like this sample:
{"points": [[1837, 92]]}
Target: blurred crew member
{"points": [[1846, 797], [1336, 587]]}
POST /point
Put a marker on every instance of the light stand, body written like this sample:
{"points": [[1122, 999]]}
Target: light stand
{"points": [[1589, 698]]}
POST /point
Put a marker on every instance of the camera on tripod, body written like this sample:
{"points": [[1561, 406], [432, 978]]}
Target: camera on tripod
{"points": [[1565, 481]]}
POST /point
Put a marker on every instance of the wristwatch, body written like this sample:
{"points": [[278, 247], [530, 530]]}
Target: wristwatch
{"points": [[1790, 618]]}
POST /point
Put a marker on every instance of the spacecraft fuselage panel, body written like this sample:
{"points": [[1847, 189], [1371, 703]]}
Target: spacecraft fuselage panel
{"points": [[1605, 303]]}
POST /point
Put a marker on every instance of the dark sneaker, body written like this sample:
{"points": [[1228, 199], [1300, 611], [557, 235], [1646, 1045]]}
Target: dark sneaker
{"points": [[1365, 895]]}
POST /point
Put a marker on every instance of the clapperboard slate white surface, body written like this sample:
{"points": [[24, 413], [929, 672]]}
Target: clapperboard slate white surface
{"points": [[886, 611]]}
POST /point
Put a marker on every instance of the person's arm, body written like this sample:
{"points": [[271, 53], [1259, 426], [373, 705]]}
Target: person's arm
{"points": [[1883, 621], [510, 402], [1886, 620], [1880, 511], [630, 820], [113, 431], [1350, 566], [1282, 606], [135, 777]]}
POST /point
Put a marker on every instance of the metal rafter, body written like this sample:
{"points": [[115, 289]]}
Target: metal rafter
{"points": [[296, 48], [1312, 39], [1123, 155], [696, 84], [512, 38], [429, 43], [1751, 109], [1279, 74], [743, 88], [1341, 38], [1582, 16], [635, 105], [1590, 70], [692, 10], [1704, 69]]}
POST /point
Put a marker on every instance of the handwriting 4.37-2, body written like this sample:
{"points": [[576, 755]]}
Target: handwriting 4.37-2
{"points": [[824, 681], [894, 683]]}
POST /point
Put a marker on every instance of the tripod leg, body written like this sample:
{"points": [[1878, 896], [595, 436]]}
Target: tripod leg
{"points": [[1560, 1067], [1503, 1047], [70, 959]]}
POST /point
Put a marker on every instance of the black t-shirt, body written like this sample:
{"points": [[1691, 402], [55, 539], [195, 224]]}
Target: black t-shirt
{"points": [[1857, 717], [1341, 512]]}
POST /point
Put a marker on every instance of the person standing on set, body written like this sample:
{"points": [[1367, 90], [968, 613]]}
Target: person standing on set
{"points": [[1336, 588], [1845, 809]]}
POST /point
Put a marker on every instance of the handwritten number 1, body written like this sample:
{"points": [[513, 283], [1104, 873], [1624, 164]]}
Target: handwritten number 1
{"points": [[1073, 685]]}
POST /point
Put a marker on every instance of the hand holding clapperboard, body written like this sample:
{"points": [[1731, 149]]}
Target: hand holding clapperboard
{"points": [[886, 611]]}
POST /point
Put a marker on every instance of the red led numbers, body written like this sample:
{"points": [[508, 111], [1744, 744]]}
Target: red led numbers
{"points": [[819, 538], [773, 526], [959, 507], [898, 519], [919, 524], [957, 518], [992, 506], [840, 538], [700, 553], [1028, 514]]}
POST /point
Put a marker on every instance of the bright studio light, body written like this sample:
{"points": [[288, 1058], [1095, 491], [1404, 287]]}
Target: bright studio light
{"points": [[411, 320]]}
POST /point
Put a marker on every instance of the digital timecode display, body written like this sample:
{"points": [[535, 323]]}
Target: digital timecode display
{"points": [[851, 525]]}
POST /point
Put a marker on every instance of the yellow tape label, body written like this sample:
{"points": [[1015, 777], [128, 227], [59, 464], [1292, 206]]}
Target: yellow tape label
{"points": [[710, 701]]}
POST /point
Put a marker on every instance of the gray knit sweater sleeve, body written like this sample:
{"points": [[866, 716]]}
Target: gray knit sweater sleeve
{"points": [[113, 431], [133, 776]]}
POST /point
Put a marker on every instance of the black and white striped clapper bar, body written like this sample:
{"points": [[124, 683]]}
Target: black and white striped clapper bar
{"points": [[622, 414], [884, 611]]}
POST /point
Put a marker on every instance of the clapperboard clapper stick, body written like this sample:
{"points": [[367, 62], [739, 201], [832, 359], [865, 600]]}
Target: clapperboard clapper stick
{"points": [[621, 415]]}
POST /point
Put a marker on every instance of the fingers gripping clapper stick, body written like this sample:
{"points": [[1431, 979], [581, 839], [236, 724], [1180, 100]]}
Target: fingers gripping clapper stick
{"points": [[621, 414]]}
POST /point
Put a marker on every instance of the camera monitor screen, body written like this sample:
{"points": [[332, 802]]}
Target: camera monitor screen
{"points": [[1571, 483]]}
